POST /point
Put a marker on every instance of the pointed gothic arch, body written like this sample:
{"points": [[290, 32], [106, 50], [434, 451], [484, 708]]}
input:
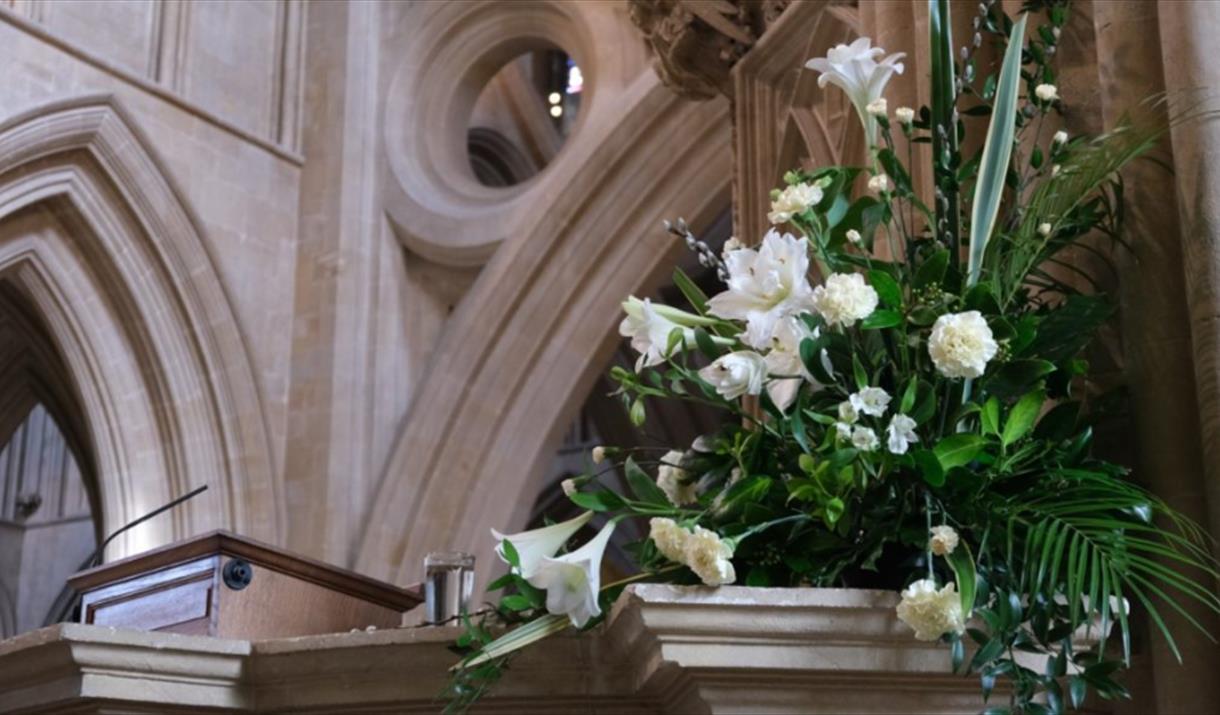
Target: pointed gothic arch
{"points": [[96, 237]]}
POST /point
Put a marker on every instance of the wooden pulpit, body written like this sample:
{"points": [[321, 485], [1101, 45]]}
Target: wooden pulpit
{"points": [[224, 585]]}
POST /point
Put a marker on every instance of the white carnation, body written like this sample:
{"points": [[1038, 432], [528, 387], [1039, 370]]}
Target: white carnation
{"points": [[709, 557], [942, 540], [1060, 137], [844, 299], [854, 236], [794, 200], [672, 480], [864, 439], [900, 434], [1044, 229], [961, 344], [906, 115], [669, 538], [870, 401], [1047, 92], [931, 613], [569, 487], [736, 374], [599, 454], [878, 107], [879, 183]]}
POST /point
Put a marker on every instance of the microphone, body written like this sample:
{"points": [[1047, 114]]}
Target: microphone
{"points": [[67, 601]]}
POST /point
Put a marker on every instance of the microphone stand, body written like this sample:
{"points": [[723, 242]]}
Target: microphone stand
{"points": [[66, 602]]}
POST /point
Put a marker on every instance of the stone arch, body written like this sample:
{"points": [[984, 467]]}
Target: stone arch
{"points": [[528, 341], [97, 238], [496, 160]]}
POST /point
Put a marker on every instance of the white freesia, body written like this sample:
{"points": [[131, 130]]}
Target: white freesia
{"points": [[878, 107], [854, 69], [844, 299], [536, 544], [736, 374], [879, 183], [942, 540], [1046, 92], [572, 581], [843, 430], [961, 344], [784, 361], [870, 401], [1060, 137], [854, 236], [900, 434], [672, 480], [906, 115], [848, 412], [670, 539], [794, 200], [931, 613], [709, 557], [864, 439], [765, 286]]}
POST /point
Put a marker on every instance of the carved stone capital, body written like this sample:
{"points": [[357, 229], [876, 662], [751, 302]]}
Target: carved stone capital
{"points": [[695, 43]]}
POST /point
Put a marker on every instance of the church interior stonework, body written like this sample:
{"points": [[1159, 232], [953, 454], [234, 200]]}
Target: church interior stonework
{"points": [[357, 267]]}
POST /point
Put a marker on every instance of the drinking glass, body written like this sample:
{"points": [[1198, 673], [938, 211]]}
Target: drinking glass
{"points": [[448, 585]]}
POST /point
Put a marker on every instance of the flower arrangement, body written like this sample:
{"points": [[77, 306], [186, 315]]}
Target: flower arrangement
{"points": [[918, 419]]}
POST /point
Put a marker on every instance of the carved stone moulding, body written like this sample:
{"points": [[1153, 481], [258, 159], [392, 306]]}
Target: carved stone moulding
{"points": [[697, 42]]}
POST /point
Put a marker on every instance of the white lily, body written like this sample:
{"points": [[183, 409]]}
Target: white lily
{"points": [[765, 286], [785, 360], [649, 326], [537, 544], [854, 68], [572, 581]]}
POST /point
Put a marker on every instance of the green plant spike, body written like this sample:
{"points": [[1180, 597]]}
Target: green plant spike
{"points": [[997, 151]]}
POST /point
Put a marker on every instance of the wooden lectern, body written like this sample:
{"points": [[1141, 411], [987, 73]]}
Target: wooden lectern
{"points": [[224, 585]]}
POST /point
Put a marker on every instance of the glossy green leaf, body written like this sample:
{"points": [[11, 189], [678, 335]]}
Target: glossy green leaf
{"points": [[1022, 417], [958, 450], [887, 288]]}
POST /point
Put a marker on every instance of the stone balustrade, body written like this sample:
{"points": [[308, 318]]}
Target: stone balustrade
{"points": [[664, 649]]}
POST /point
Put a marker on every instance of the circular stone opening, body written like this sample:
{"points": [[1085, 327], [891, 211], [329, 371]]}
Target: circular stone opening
{"points": [[522, 116]]}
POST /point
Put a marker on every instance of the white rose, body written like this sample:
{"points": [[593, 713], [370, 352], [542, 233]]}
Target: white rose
{"points": [[794, 200], [736, 374], [669, 538], [1046, 92], [931, 613], [942, 540], [900, 434], [709, 557], [854, 236], [906, 115], [870, 401], [1060, 137], [878, 107], [765, 286], [961, 344], [879, 183], [672, 480], [864, 439], [844, 299]]}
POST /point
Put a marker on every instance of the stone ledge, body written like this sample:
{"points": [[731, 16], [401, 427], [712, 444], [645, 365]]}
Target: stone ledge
{"points": [[664, 649]]}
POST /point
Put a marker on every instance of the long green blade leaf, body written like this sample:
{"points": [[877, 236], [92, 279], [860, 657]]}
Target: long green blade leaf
{"points": [[997, 151], [531, 632], [944, 130]]}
